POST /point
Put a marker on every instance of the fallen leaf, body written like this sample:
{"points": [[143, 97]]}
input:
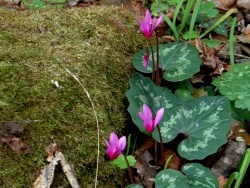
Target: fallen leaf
{"points": [[224, 4], [17, 145], [9, 132], [244, 38], [198, 78], [146, 171], [175, 162]]}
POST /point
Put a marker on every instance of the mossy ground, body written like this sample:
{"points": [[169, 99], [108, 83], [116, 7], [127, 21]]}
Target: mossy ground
{"points": [[94, 43]]}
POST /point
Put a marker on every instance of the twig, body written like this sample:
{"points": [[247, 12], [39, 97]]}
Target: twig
{"points": [[68, 171]]}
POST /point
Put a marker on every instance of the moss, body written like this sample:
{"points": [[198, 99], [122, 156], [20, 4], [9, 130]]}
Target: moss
{"points": [[94, 43]]}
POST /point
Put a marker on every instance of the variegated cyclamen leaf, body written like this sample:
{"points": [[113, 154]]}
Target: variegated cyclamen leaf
{"points": [[134, 186], [179, 61], [171, 179], [204, 122], [144, 91], [235, 85], [194, 176], [199, 176]]}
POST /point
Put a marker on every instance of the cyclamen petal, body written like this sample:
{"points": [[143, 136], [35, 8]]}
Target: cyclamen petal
{"points": [[115, 146], [113, 139], [146, 111], [148, 125], [149, 122], [122, 143], [148, 16], [148, 25], [158, 21], [158, 116]]}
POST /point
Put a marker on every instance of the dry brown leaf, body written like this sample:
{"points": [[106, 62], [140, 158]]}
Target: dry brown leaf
{"points": [[146, 171], [224, 5], [8, 136], [246, 30], [244, 38], [148, 143], [197, 78], [17, 145], [176, 161], [238, 133], [222, 182], [244, 4]]}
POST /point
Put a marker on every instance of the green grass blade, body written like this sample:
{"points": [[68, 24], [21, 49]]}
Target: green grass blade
{"points": [[172, 27], [231, 11], [231, 41], [194, 16]]}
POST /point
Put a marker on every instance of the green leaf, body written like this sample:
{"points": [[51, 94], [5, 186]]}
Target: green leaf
{"points": [[179, 61], [171, 178], [235, 85], [158, 6], [212, 43], [208, 10], [183, 94], [197, 176], [121, 162], [57, 1], [144, 91], [134, 186], [191, 35], [220, 29], [204, 122]]}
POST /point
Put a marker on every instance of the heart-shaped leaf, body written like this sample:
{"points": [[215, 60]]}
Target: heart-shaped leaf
{"points": [[134, 186], [178, 61], [197, 176], [121, 162], [144, 91], [235, 85], [204, 122]]}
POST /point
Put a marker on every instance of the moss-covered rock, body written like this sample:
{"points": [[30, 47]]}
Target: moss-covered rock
{"points": [[94, 43]]}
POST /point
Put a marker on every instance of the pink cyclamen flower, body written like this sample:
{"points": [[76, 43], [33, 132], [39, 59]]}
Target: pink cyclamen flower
{"points": [[115, 146], [148, 25], [149, 122], [145, 59]]}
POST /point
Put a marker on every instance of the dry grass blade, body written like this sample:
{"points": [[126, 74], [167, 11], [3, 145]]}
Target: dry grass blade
{"points": [[97, 123]]}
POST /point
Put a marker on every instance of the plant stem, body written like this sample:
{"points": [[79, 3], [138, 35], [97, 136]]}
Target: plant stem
{"points": [[157, 77], [153, 62], [156, 152], [231, 41], [129, 169], [162, 148]]}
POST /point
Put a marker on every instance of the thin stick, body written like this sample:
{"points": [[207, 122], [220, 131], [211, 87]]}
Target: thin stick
{"points": [[97, 123], [68, 171]]}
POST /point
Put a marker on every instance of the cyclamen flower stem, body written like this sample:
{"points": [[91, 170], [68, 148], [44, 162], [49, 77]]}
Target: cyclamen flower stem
{"points": [[157, 79], [129, 169], [153, 62], [162, 148], [156, 153]]}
